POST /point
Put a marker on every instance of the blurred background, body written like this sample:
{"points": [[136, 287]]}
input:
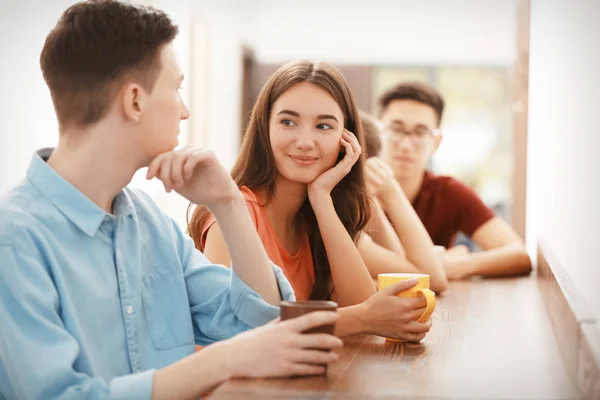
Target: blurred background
{"points": [[519, 78], [465, 48]]}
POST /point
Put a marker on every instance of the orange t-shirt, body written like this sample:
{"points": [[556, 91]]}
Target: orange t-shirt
{"points": [[298, 268]]}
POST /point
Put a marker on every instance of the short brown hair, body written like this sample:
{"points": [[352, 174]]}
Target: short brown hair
{"points": [[372, 134], [416, 91], [95, 45]]}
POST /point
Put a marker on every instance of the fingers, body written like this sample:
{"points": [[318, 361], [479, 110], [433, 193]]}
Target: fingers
{"points": [[374, 163], [188, 168], [424, 326], [414, 331], [320, 341], [314, 357], [373, 178], [305, 369], [193, 161], [387, 168], [154, 166], [415, 327], [353, 151], [374, 169], [412, 305], [197, 157], [399, 287], [311, 320], [189, 165], [418, 302], [168, 167], [175, 167], [380, 167], [414, 337], [349, 157], [164, 173], [177, 162], [415, 313], [353, 140], [345, 165]]}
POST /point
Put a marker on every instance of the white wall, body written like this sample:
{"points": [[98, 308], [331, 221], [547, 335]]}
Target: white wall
{"points": [[225, 28], [213, 82], [563, 151], [385, 31], [27, 118], [377, 31]]}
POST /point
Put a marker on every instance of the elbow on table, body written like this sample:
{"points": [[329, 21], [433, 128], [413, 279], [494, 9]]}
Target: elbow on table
{"points": [[524, 266], [439, 284]]}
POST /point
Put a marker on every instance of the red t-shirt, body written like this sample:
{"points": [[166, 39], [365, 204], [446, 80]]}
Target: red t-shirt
{"points": [[447, 206]]}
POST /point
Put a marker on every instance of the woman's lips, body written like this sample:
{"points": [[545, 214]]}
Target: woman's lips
{"points": [[303, 160]]}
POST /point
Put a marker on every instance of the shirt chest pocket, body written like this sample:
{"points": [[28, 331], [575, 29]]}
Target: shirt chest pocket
{"points": [[167, 308]]}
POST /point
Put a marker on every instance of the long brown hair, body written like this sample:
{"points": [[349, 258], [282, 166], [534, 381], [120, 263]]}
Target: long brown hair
{"points": [[255, 165]]}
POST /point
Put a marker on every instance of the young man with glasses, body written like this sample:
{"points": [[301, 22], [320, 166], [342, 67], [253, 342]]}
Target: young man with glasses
{"points": [[396, 241], [411, 114]]}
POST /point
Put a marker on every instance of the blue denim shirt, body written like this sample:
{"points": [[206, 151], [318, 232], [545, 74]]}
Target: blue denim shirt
{"points": [[91, 303]]}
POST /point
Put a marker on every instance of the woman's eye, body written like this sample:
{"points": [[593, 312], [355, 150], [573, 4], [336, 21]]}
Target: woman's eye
{"points": [[324, 127], [288, 122]]}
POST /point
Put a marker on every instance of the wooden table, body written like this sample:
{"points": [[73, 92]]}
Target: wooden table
{"points": [[491, 339]]}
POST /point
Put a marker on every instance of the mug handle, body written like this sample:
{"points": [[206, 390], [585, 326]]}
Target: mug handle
{"points": [[430, 298]]}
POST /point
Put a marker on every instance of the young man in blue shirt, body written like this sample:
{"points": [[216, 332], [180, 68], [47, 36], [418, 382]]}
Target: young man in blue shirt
{"points": [[101, 294]]}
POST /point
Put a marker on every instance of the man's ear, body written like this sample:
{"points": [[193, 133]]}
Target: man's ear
{"points": [[134, 100], [437, 140]]}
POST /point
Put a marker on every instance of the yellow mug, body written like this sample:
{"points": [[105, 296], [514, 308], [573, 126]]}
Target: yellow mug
{"points": [[421, 288]]}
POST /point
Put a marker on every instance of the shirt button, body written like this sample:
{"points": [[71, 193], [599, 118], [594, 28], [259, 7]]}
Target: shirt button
{"points": [[130, 310]]}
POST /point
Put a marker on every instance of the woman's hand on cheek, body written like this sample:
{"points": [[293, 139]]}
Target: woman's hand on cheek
{"points": [[324, 183]]}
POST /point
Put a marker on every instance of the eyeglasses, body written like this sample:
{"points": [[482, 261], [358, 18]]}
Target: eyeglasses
{"points": [[418, 135]]}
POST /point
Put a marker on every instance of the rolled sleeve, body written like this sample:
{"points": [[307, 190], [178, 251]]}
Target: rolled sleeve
{"points": [[133, 387], [222, 304], [250, 307]]}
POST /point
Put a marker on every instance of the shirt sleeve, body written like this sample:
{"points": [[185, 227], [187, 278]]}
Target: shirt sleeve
{"points": [[37, 353], [222, 304], [472, 212]]}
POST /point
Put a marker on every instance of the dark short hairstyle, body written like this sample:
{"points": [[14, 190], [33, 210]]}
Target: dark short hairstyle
{"points": [[97, 45], [416, 91]]}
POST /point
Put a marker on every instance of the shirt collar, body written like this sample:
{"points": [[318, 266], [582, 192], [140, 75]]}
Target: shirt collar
{"points": [[78, 208]]}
